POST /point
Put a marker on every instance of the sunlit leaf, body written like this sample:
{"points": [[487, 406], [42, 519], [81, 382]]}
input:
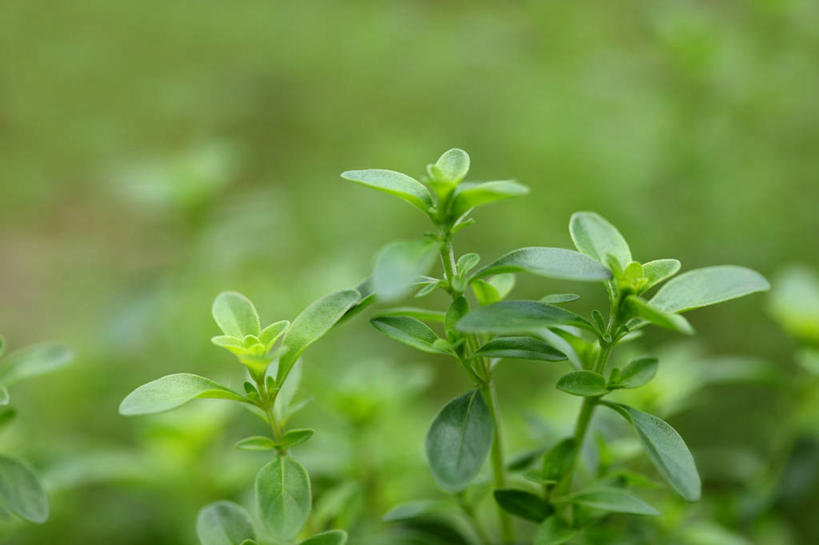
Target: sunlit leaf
{"points": [[653, 314], [171, 391], [256, 442], [597, 238], [235, 315], [549, 262], [659, 270], [708, 286], [394, 183], [453, 165], [469, 195]]}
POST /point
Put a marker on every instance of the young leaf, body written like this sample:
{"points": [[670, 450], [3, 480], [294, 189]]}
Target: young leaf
{"points": [[394, 183], [515, 317], [493, 289], [524, 348], [311, 325], [638, 372], [295, 437], [554, 532], [523, 504], [612, 499], [21, 492], [649, 312], [171, 391], [333, 537], [708, 286], [466, 263], [659, 270], [549, 262], [583, 383], [399, 265], [459, 441], [409, 331], [235, 315], [256, 442], [471, 195], [597, 238], [224, 523], [34, 361], [453, 165], [271, 333], [666, 450], [283, 497]]}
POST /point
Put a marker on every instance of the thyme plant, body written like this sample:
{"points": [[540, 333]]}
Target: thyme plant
{"points": [[283, 498], [480, 330]]}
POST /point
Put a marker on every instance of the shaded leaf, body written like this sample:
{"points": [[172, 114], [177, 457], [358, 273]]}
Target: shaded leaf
{"points": [[295, 437], [583, 383], [224, 523], [554, 532], [523, 504], [414, 312], [394, 183], [549, 262], [412, 509], [171, 391], [638, 372], [516, 317], [708, 286], [283, 497], [612, 499]]}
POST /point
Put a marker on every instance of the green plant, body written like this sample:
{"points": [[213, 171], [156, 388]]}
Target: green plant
{"points": [[469, 428], [21, 492], [283, 498]]}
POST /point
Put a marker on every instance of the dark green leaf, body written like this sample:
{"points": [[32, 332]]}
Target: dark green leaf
{"points": [[283, 497], [459, 440], [638, 372], [525, 348], [394, 183], [523, 504], [295, 437], [597, 238], [470, 195], [34, 361], [333, 537], [21, 492], [549, 262], [708, 286], [235, 315], [409, 331], [516, 317], [414, 312], [171, 391], [400, 264], [224, 523], [659, 270], [612, 499], [583, 383], [657, 316], [554, 532]]}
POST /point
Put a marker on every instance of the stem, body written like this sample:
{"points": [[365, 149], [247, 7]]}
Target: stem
{"points": [[498, 464], [474, 521]]}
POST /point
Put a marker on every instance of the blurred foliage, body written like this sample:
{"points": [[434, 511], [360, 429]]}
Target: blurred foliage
{"points": [[156, 153]]}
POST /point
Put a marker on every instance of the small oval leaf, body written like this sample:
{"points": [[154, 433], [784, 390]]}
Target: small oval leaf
{"points": [[657, 316], [638, 372], [523, 504], [21, 492], [549, 262], [224, 523], [295, 437], [453, 165], [256, 442], [409, 331], [596, 237], [708, 286], [583, 383], [235, 314], [171, 391], [471, 195], [283, 497], [395, 183], [658, 271]]}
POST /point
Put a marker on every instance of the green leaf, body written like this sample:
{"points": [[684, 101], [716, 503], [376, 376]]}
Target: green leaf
{"points": [[708, 286], [394, 183], [659, 270], [597, 238], [523, 504], [414, 312], [493, 289], [666, 450], [612, 499], [457, 310], [34, 361], [583, 383], [516, 317], [409, 331], [554, 532], [295, 437], [459, 440], [235, 315], [4, 396], [412, 509], [7, 414], [256, 442], [556, 298], [311, 325], [271, 333], [558, 460], [21, 492], [333, 537], [453, 165], [470, 195], [524, 348], [466, 263], [638, 372], [400, 264], [549, 262], [657, 316], [283, 497], [171, 391], [224, 523]]}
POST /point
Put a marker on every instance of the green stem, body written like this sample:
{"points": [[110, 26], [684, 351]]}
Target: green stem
{"points": [[474, 521], [498, 464]]}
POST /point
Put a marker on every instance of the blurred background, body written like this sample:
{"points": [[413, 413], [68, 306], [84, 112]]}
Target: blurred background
{"points": [[156, 153]]}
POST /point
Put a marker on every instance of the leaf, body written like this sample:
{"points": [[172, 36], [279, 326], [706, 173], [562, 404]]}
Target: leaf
{"points": [[457, 310], [171, 391], [283, 497], [638, 372], [583, 383], [515, 317], [4, 396], [412, 509], [659, 270], [657, 316], [493, 289], [523, 504], [525, 348], [34, 361], [311, 325], [471, 195], [554, 532], [333, 537], [21, 492], [466, 263], [235, 315], [459, 440], [453, 165], [414, 312], [597, 238], [708, 286], [549, 262], [256, 442], [558, 460], [666, 450], [559, 298], [399, 265], [612, 499], [295, 437], [224, 523], [271, 333], [409, 331], [394, 183]]}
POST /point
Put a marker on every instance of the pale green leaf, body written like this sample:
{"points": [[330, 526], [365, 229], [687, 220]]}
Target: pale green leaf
{"points": [[649, 312], [283, 497], [549, 262], [409, 331], [256, 442], [394, 183], [597, 238], [332, 537], [21, 492], [638, 372], [171, 391], [34, 361], [400, 264], [708, 286], [612, 499], [295, 437], [235, 315], [472, 194], [453, 165], [224, 523], [659, 270], [415, 312], [412, 509], [271, 333]]}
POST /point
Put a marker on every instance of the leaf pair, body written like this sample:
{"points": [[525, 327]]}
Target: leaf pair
{"points": [[590, 384]]}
